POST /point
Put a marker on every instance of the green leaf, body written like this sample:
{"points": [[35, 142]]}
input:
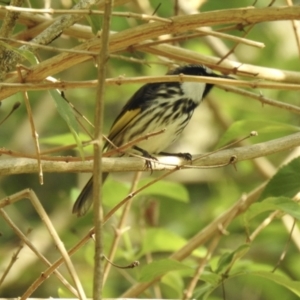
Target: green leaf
{"points": [[211, 277], [62, 139], [162, 240], [293, 286], [279, 278], [287, 206], [64, 293], [28, 55], [161, 267], [284, 204], [114, 192], [203, 291], [260, 207], [265, 129], [227, 260], [286, 182], [172, 190], [67, 114], [95, 22], [175, 281]]}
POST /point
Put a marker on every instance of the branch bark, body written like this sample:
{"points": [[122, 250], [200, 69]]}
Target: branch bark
{"points": [[134, 37], [126, 164], [6, 30], [102, 61], [48, 35]]}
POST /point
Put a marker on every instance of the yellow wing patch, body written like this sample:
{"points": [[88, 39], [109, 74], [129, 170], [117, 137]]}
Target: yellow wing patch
{"points": [[122, 122]]}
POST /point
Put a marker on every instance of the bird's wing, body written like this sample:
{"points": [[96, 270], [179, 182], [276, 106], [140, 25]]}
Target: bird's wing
{"points": [[122, 122], [135, 105]]}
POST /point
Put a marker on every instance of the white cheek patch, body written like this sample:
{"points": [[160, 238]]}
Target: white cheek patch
{"points": [[193, 90]]}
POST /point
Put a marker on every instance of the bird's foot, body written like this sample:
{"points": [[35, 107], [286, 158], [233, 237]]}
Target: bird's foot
{"points": [[184, 155], [147, 156]]}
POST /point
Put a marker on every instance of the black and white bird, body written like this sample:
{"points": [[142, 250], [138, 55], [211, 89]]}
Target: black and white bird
{"points": [[167, 106]]}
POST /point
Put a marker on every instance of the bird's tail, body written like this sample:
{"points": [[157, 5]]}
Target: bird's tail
{"points": [[85, 199]]}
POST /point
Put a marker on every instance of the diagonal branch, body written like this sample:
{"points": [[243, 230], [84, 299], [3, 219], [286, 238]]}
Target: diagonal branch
{"points": [[128, 38]]}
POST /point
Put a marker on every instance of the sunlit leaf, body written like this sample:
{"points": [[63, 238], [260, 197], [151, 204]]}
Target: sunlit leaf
{"points": [[28, 55], [95, 22], [287, 206], [67, 114], [264, 128], [114, 192], [64, 293], [172, 190], [227, 260], [175, 281], [161, 267], [292, 285], [211, 277], [162, 240], [286, 182], [61, 139], [283, 204]]}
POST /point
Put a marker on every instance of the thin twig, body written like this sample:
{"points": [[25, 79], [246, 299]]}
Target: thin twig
{"points": [[122, 40], [236, 44], [97, 170], [263, 99], [14, 256], [134, 193], [26, 241], [295, 25], [287, 244], [44, 217], [56, 264], [119, 229], [85, 12], [206, 32], [48, 48], [254, 84], [34, 133], [14, 108], [188, 293]]}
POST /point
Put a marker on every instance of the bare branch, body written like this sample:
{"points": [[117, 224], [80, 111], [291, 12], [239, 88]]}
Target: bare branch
{"points": [[126, 164]]}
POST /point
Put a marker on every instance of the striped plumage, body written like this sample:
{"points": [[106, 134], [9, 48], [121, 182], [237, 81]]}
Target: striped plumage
{"points": [[154, 107]]}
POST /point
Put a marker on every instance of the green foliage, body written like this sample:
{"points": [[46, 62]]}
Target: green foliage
{"points": [[95, 22], [113, 191], [174, 283], [293, 286], [283, 204], [165, 188], [160, 240], [285, 182], [26, 54], [227, 260], [175, 215], [159, 268], [67, 114], [265, 129]]}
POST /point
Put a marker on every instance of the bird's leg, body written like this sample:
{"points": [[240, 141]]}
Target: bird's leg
{"points": [[184, 155], [146, 155]]}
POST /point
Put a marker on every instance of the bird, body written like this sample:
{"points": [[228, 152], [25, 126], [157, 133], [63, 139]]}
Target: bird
{"points": [[163, 106]]}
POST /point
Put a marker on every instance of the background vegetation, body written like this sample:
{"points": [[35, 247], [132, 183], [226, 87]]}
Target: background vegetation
{"points": [[191, 230]]}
